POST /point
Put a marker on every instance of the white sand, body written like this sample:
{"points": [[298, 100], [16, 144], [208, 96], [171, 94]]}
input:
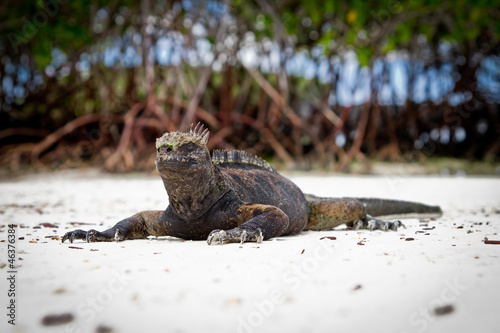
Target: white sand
{"points": [[291, 284]]}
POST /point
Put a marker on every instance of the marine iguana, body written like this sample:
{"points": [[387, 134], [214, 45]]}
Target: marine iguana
{"points": [[233, 196]]}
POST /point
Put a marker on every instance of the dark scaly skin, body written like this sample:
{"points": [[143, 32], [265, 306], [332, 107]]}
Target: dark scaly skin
{"points": [[343, 210], [234, 198]]}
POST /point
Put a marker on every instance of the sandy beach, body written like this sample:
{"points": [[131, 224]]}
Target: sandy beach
{"points": [[432, 276]]}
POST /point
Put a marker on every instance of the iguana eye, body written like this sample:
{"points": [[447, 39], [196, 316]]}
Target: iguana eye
{"points": [[165, 148], [189, 147]]}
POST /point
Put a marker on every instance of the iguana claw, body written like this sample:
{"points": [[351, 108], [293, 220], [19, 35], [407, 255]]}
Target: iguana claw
{"points": [[118, 236], [372, 223], [260, 237], [96, 236], [89, 236], [75, 234], [236, 235], [243, 237]]}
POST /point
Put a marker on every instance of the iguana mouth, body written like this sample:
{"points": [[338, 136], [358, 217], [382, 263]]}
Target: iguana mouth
{"points": [[172, 163], [174, 158]]}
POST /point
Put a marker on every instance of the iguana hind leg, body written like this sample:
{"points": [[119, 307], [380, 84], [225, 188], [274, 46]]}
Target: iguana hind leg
{"points": [[328, 213], [369, 222], [255, 223]]}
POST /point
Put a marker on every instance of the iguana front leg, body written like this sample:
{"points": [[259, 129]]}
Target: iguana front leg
{"points": [[255, 223], [137, 226]]}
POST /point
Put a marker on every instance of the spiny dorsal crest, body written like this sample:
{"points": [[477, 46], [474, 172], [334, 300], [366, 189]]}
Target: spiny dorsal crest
{"points": [[239, 156], [198, 135]]}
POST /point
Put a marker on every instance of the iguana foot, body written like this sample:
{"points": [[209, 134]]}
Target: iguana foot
{"points": [[369, 222], [90, 236], [236, 235], [75, 234]]}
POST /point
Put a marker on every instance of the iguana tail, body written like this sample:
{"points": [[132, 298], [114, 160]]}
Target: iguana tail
{"points": [[327, 213], [387, 209]]}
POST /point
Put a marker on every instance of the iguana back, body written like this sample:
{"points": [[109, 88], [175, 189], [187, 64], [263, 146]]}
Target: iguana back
{"points": [[256, 182]]}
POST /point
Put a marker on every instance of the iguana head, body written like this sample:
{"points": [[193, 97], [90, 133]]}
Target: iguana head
{"points": [[183, 152]]}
